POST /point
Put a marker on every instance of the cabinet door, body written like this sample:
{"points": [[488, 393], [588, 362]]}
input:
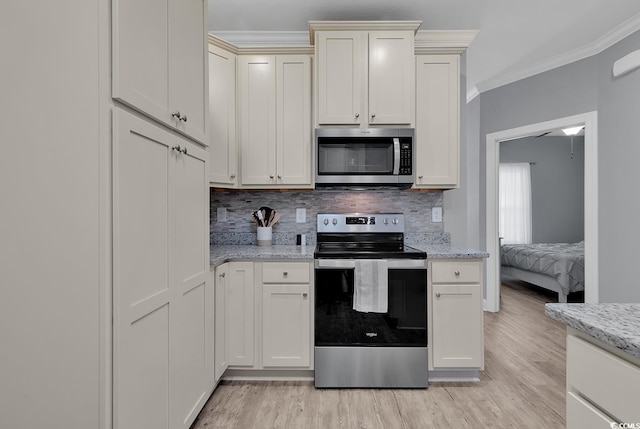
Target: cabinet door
{"points": [[457, 326], [293, 131], [223, 158], [192, 325], [221, 277], [437, 121], [144, 300], [285, 325], [257, 98], [341, 73], [188, 66], [240, 314], [140, 52], [391, 83]]}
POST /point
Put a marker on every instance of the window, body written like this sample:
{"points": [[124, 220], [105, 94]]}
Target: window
{"points": [[515, 203]]}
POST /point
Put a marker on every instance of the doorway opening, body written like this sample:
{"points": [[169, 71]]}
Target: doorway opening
{"points": [[589, 121]]}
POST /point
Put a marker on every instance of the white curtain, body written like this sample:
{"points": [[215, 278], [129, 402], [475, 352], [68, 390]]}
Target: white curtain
{"points": [[515, 203]]}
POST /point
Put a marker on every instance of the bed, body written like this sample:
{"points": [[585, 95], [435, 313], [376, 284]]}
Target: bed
{"points": [[555, 266]]}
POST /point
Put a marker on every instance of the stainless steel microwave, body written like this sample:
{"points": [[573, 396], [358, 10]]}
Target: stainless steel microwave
{"points": [[359, 156]]}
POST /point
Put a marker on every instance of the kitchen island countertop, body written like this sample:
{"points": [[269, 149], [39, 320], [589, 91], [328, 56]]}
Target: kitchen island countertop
{"points": [[219, 254], [617, 325]]}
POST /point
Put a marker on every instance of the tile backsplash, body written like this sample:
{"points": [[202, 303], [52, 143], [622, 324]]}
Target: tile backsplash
{"points": [[239, 228]]}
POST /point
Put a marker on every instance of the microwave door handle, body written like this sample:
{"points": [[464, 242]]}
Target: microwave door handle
{"points": [[396, 156]]}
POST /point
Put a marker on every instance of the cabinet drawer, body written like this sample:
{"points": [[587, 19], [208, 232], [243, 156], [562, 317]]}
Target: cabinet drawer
{"points": [[581, 414], [288, 272], [603, 378], [455, 272]]}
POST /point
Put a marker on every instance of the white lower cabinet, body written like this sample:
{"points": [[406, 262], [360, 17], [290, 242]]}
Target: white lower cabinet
{"points": [[163, 297], [602, 385], [456, 340], [263, 315], [220, 277], [286, 313], [240, 314]]}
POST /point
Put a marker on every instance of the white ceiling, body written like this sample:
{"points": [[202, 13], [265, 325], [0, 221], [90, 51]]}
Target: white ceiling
{"points": [[516, 38]]}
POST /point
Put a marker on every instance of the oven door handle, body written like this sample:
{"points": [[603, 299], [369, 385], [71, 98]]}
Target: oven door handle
{"points": [[392, 264], [335, 263], [396, 156]]}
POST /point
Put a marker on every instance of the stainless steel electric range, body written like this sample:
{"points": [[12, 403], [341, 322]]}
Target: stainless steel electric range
{"points": [[370, 303]]}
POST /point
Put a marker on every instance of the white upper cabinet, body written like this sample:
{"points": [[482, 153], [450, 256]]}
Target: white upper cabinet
{"points": [[437, 121], [365, 78], [223, 156], [159, 61], [274, 106], [391, 77]]}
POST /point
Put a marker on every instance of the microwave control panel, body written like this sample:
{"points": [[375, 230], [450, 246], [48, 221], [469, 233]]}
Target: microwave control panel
{"points": [[406, 156]]}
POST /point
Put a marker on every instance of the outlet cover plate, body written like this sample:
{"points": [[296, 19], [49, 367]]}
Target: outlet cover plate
{"points": [[436, 214], [301, 215]]}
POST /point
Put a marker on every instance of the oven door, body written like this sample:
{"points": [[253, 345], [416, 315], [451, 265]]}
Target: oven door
{"points": [[404, 324], [371, 350]]}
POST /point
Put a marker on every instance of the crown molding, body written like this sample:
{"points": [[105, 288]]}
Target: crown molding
{"points": [[315, 26], [263, 42], [443, 41], [606, 41]]}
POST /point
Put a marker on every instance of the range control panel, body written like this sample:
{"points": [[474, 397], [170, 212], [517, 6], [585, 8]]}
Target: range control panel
{"points": [[360, 222]]}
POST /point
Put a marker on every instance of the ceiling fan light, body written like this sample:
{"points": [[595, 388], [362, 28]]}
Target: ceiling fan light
{"points": [[572, 131]]}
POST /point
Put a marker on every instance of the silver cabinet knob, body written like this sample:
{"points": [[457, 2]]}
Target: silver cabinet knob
{"points": [[178, 148], [437, 294], [279, 176], [304, 295], [233, 176], [419, 177], [184, 150], [457, 273], [222, 275], [271, 176], [176, 114], [373, 115], [357, 115], [183, 118], [284, 273]]}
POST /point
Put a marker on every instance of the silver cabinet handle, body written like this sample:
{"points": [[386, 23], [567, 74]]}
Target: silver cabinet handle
{"points": [[457, 273], [437, 294]]}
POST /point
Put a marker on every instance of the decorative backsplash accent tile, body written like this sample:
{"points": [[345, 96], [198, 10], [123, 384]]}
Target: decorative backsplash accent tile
{"points": [[239, 228]]}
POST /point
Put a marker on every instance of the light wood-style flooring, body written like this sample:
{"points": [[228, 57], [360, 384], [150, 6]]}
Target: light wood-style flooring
{"points": [[523, 386]]}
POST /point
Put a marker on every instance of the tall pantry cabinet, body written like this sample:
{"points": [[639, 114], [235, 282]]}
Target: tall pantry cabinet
{"points": [[162, 292], [115, 223]]}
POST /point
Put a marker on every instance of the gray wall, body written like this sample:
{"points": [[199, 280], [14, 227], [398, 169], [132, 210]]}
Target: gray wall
{"points": [[576, 88], [557, 185]]}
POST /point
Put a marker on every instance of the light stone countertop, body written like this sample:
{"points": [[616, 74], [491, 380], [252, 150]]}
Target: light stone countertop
{"points": [[222, 253], [617, 325]]}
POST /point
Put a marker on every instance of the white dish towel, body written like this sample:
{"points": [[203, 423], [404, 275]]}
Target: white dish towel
{"points": [[370, 291]]}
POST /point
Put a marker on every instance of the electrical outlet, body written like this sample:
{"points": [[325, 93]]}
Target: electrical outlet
{"points": [[301, 215], [436, 214], [221, 214]]}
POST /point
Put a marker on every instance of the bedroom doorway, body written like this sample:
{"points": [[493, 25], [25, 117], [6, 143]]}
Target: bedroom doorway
{"points": [[589, 121]]}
